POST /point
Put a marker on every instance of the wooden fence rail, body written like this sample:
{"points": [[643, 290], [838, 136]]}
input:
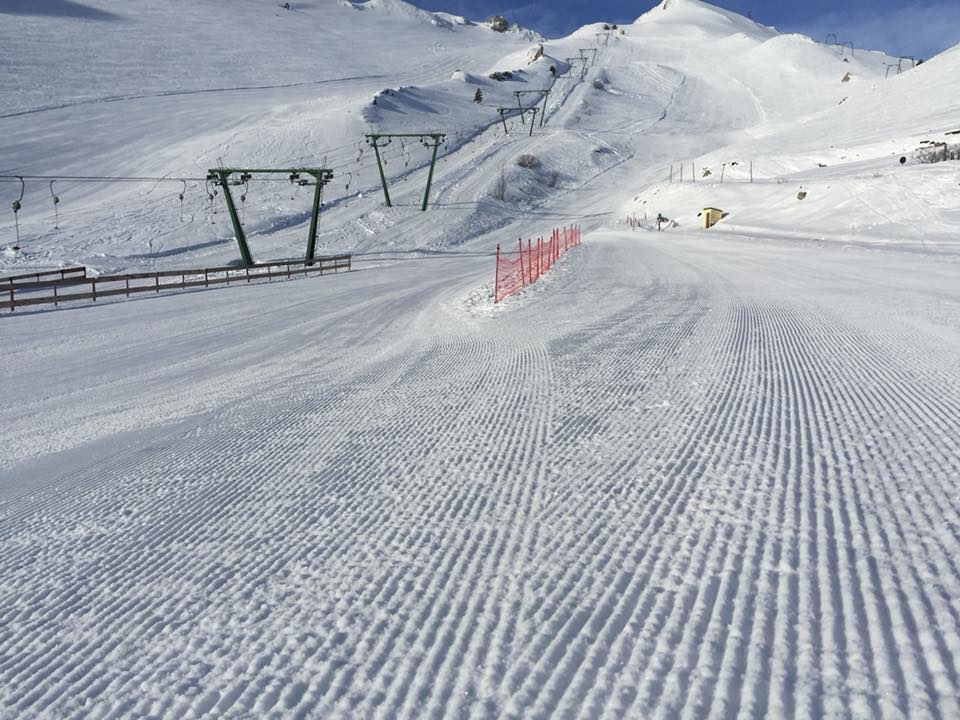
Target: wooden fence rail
{"points": [[91, 288], [72, 272]]}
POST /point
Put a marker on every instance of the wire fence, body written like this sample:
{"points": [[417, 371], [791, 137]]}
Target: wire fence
{"points": [[514, 271]]}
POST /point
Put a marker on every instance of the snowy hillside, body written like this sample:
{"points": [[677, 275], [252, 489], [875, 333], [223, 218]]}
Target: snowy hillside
{"points": [[260, 85], [691, 473]]}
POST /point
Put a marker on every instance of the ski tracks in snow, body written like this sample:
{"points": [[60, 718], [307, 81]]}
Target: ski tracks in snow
{"points": [[695, 492]]}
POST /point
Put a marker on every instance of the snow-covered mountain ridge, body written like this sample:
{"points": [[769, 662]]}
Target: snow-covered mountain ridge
{"points": [[134, 90]]}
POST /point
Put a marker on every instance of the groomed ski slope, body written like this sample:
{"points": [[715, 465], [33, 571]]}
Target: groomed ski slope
{"points": [[687, 474], [683, 478]]}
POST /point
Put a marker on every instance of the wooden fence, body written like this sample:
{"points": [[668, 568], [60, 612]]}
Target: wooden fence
{"points": [[25, 290], [72, 272]]}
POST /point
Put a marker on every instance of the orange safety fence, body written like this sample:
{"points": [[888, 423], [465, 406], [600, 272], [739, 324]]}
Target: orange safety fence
{"points": [[516, 270]]}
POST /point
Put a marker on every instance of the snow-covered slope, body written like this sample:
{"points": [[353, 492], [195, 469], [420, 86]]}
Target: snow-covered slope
{"points": [[687, 474], [134, 90], [171, 89], [829, 124], [120, 50]]}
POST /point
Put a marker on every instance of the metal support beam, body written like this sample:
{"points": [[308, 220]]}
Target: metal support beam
{"points": [[433, 162], [503, 118], [383, 178], [428, 139], [544, 93], [583, 65], [314, 222], [321, 177], [224, 180], [533, 120]]}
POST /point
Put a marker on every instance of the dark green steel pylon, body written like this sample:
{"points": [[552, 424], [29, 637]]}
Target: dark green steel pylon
{"points": [[544, 93], [430, 140], [321, 177]]}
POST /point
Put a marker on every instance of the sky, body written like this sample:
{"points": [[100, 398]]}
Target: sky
{"points": [[921, 29]]}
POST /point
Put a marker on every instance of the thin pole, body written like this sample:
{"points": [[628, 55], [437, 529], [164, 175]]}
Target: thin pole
{"points": [[314, 222], [496, 277], [383, 178], [520, 105], [235, 219], [522, 280], [433, 161], [530, 261]]}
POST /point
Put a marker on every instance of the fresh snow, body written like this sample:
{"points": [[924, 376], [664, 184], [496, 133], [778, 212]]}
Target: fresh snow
{"points": [[687, 474]]}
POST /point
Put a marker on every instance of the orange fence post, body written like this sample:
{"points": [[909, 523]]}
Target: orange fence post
{"points": [[496, 277], [520, 256], [530, 262]]}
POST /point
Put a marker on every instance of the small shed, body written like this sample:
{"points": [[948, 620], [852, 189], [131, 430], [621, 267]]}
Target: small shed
{"points": [[711, 216]]}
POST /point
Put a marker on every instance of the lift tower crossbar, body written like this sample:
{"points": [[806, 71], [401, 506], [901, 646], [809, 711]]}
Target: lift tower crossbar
{"points": [[321, 176]]}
